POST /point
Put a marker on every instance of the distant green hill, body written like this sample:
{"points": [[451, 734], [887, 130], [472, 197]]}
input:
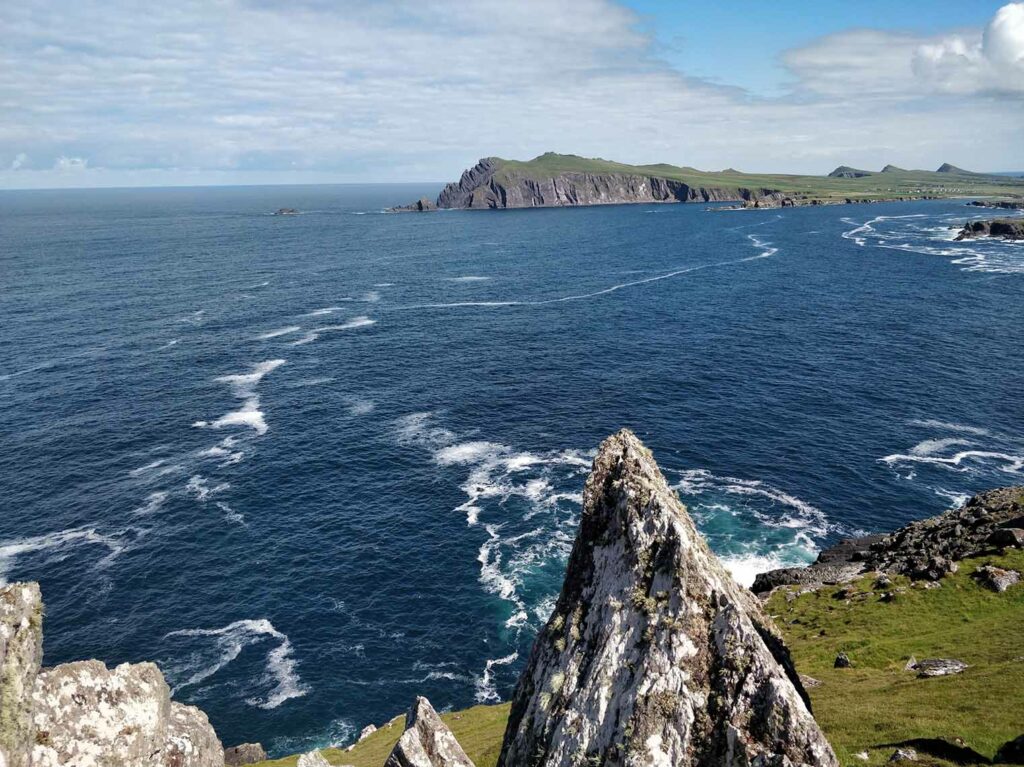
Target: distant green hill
{"points": [[565, 180]]}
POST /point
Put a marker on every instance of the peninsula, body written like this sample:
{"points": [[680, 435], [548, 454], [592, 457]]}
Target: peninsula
{"points": [[563, 180]]}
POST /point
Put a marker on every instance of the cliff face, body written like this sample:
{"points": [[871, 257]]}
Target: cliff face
{"points": [[84, 714], [488, 185], [653, 655]]}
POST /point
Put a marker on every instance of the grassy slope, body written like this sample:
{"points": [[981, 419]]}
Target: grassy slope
{"points": [[874, 703], [902, 183]]}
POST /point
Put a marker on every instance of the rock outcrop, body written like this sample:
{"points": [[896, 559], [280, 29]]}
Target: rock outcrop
{"points": [[83, 714], [21, 652], [925, 550], [998, 204], [654, 655], [1004, 228], [244, 753], [427, 741]]}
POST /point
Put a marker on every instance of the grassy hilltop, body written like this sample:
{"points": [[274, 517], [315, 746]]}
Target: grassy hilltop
{"points": [[874, 704], [949, 181]]}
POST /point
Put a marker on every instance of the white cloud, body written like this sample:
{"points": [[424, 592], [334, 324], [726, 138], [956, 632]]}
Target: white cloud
{"points": [[70, 164], [418, 89], [19, 161], [990, 62]]}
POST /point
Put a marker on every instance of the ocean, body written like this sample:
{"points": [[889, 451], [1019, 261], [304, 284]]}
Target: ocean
{"points": [[316, 465]]}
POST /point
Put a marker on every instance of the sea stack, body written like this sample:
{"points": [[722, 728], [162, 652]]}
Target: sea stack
{"points": [[654, 655]]}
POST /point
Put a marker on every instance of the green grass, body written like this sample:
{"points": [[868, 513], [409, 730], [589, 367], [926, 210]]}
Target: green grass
{"points": [[876, 702], [479, 731], [895, 183]]}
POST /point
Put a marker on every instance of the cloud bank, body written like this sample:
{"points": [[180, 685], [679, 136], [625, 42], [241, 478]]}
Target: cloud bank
{"points": [[99, 92]]}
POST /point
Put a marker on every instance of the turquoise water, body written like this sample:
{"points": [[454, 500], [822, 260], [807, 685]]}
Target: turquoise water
{"points": [[316, 465]]}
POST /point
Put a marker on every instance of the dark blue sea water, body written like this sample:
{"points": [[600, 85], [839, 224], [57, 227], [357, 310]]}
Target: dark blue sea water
{"points": [[315, 465]]}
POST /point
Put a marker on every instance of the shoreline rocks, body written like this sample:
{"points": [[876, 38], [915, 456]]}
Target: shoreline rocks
{"points": [[1002, 228], [653, 654], [924, 550]]}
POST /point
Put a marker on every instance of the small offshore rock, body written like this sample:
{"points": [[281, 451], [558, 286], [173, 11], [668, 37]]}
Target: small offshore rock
{"points": [[286, 212], [996, 578], [842, 661], [244, 753], [427, 741], [1011, 752], [903, 755], [312, 759], [931, 667]]}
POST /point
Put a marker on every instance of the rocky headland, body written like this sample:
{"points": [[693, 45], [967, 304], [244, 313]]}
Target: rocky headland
{"points": [[556, 180], [653, 657], [1001, 228]]}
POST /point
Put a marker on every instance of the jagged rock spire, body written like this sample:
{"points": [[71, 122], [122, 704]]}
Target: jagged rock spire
{"points": [[654, 655], [427, 741]]}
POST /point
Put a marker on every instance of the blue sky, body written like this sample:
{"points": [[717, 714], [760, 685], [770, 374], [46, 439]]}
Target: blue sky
{"points": [[693, 36], [106, 92]]}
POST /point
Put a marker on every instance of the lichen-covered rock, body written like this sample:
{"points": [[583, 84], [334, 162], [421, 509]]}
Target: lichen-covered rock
{"points": [[244, 753], [654, 655], [313, 759], [930, 667], [427, 741], [190, 740], [86, 715], [21, 652], [996, 578]]}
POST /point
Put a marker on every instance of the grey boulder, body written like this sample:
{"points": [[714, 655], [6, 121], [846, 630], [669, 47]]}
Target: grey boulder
{"points": [[427, 741]]}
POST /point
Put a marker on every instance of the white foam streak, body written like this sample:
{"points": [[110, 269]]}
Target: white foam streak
{"points": [[229, 642], [936, 424], [279, 332], [57, 545], [1013, 463], [767, 250], [244, 383], [932, 446], [313, 335]]}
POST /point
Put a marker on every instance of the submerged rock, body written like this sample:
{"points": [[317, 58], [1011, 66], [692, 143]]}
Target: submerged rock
{"points": [[21, 652], [654, 655], [244, 753], [427, 741]]}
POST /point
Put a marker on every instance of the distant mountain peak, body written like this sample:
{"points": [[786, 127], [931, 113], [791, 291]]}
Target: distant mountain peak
{"points": [[947, 168], [845, 171], [893, 169]]}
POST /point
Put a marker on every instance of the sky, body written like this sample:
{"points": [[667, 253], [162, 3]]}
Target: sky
{"points": [[123, 93]]}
